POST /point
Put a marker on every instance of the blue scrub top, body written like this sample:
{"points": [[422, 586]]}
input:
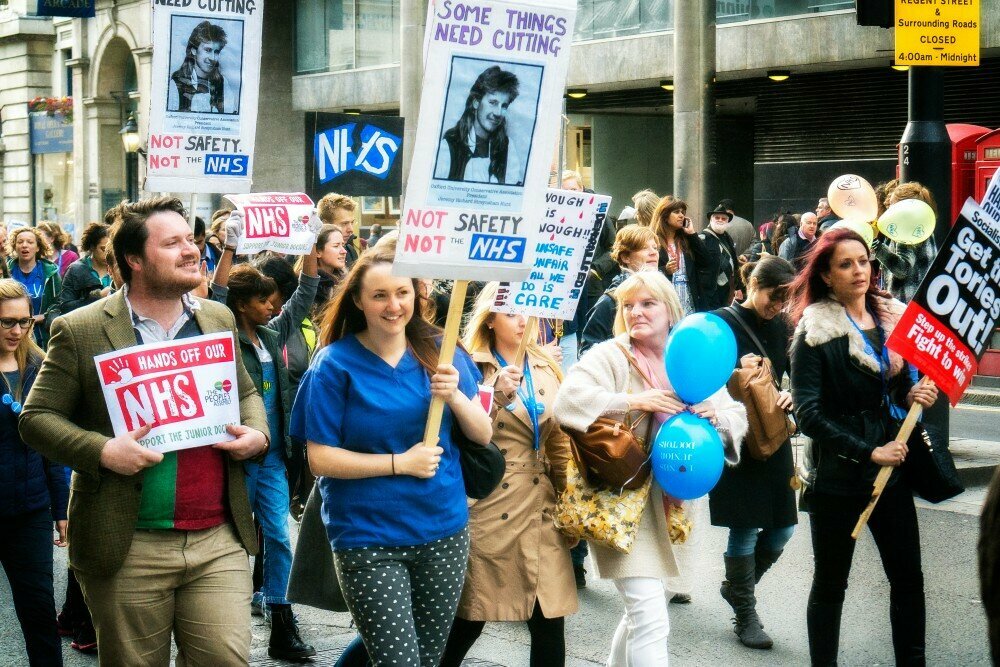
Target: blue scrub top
{"points": [[353, 399]]}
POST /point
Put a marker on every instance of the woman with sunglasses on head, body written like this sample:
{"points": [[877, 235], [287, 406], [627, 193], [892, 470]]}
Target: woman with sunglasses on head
{"points": [[519, 562], [33, 492], [758, 530], [849, 391]]}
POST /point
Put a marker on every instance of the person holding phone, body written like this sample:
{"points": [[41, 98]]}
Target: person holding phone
{"points": [[683, 259]]}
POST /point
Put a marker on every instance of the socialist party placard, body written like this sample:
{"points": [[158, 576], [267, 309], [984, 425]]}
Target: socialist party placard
{"points": [[275, 221], [494, 74], [186, 388], [564, 251], [946, 328], [203, 97], [355, 155]]}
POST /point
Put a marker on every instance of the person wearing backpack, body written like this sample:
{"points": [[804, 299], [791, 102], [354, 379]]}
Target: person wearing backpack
{"points": [[755, 499]]}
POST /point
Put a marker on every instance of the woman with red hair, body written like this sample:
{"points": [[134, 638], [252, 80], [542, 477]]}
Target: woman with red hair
{"points": [[850, 391]]}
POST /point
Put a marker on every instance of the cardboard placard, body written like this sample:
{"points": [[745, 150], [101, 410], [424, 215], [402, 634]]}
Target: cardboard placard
{"points": [[203, 97], [275, 221], [946, 328], [564, 251], [186, 387], [494, 74]]}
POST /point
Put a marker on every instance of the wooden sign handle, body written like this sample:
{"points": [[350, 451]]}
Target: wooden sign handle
{"points": [[522, 347], [447, 355], [905, 431]]}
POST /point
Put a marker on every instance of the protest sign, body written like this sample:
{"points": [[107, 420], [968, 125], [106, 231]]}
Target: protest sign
{"points": [[274, 221], [186, 388], [945, 329], [203, 98], [563, 252], [493, 82], [355, 155]]}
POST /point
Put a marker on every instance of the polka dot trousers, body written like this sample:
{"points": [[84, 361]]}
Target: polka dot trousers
{"points": [[403, 599]]}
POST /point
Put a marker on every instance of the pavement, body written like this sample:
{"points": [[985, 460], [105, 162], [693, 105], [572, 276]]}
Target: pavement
{"points": [[701, 632]]}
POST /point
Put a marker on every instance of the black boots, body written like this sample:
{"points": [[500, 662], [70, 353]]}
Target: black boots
{"points": [[763, 560], [286, 644], [823, 621], [741, 577]]}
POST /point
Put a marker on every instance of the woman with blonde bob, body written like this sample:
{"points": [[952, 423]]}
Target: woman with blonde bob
{"points": [[519, 563], [605, 383]]}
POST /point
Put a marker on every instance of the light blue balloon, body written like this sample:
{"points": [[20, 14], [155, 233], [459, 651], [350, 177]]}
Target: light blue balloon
{"points": [[700, 356], [687, 456]]}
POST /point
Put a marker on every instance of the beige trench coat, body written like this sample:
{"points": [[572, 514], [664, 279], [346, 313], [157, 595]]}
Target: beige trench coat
{"points": [[517, 555]]}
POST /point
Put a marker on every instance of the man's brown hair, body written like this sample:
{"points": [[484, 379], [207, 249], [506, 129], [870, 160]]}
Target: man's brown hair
{"points": [[129, 231], [330, 203]]}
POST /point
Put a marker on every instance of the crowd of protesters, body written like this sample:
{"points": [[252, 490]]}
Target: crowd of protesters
{"points": [[337, 366]]}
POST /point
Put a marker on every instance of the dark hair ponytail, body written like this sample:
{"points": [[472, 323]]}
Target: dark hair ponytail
{"points": [[769, 271]]}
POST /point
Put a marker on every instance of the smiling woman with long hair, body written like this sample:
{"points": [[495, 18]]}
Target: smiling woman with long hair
{"points": [[33, 492], [394, 508], [849, 391]]}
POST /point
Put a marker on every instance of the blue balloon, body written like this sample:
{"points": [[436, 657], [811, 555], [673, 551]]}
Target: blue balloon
{"points": [[700, 356], [687, 456]]}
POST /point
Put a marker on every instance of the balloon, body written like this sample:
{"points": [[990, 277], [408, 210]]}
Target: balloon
{"points": [[853, 198], [909, 222], [700, 356], [687, 456], [863, 229]]}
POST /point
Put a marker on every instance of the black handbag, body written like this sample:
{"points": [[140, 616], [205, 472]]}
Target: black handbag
{"points": [[483, 466], [929, 468]]}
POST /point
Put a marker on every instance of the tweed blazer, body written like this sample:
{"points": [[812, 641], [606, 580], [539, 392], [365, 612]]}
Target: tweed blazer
{"points": [[65, 418]]}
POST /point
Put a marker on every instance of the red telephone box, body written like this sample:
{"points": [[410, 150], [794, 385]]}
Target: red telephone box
{"points": [[963, 162]]}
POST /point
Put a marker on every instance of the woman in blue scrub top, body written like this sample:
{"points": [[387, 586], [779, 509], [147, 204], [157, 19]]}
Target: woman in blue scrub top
{"points": [[395, 510]]}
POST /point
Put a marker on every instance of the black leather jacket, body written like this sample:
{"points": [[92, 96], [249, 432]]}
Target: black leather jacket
{"points": [[839, 404]]}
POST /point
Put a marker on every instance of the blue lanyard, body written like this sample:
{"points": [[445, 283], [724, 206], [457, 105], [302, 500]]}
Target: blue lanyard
{"points": [[883, 364], [528, 398]]}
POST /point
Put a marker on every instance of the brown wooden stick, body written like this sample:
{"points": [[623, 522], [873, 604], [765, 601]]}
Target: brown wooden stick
{"points": [[447, 355], [522, 347], [905, 431]]}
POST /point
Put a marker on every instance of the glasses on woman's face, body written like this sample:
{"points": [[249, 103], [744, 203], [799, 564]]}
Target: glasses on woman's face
{"points": [[9, 322]]}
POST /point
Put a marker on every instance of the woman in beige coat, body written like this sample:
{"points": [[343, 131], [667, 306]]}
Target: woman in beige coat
{"points": [[519, 564], [604, 383]]}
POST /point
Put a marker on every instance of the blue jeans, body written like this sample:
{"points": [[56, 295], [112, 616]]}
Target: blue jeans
{"points": [[568, 345], [743, 541], [268, 488]]}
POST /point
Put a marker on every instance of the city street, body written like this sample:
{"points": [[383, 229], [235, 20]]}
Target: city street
{"points": [[701, 632]]}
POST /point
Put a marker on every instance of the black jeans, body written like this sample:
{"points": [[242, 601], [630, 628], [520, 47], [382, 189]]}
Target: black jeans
{"points": [[894, 526], [548, 640], [26, 555]]}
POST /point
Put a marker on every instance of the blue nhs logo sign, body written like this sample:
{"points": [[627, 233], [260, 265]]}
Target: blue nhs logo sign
{"points": [[336, 152]]}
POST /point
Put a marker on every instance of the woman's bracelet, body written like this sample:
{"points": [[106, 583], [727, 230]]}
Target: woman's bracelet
{"points": [[392, 460]]}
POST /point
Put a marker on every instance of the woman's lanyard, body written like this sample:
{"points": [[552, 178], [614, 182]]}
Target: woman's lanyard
{"points": [[883, 364], [531, 403]]}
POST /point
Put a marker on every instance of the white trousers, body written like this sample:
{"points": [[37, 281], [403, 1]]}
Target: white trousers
{"points": [[641, 637]]}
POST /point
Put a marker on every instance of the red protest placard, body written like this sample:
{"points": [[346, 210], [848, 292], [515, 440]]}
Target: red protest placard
{"points": [[945, 329]]}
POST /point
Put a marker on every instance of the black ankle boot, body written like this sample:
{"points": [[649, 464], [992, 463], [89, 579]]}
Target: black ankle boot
{"points": [[823, 622], [740, 574], [286, 644]]}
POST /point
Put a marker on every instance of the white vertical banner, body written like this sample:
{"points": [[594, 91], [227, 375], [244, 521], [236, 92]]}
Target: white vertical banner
{"points": [[203, 102], [494, 76]]}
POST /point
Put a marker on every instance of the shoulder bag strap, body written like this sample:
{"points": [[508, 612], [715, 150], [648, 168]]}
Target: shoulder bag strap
{"points": [[631, 361], [735, 312]]}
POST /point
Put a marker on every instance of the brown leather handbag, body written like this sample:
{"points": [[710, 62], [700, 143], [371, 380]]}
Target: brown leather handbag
{"points": [[609, 453], [755, 386]]}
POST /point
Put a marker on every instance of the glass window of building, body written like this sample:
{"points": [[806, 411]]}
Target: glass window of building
{"points": [[337, 35]]}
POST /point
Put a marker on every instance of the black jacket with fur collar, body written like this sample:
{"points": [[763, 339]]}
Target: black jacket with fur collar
{"points": [[838, 395]]}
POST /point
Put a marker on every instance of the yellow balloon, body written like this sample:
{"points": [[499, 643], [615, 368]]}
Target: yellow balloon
{"points": [[853, 198], [862, 229], [909, 222]]}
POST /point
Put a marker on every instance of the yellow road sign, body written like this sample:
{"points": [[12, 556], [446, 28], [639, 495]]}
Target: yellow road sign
{"points": [[937, 32]]}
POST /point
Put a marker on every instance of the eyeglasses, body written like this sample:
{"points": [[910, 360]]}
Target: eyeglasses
{"points": [[9, 322]]}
